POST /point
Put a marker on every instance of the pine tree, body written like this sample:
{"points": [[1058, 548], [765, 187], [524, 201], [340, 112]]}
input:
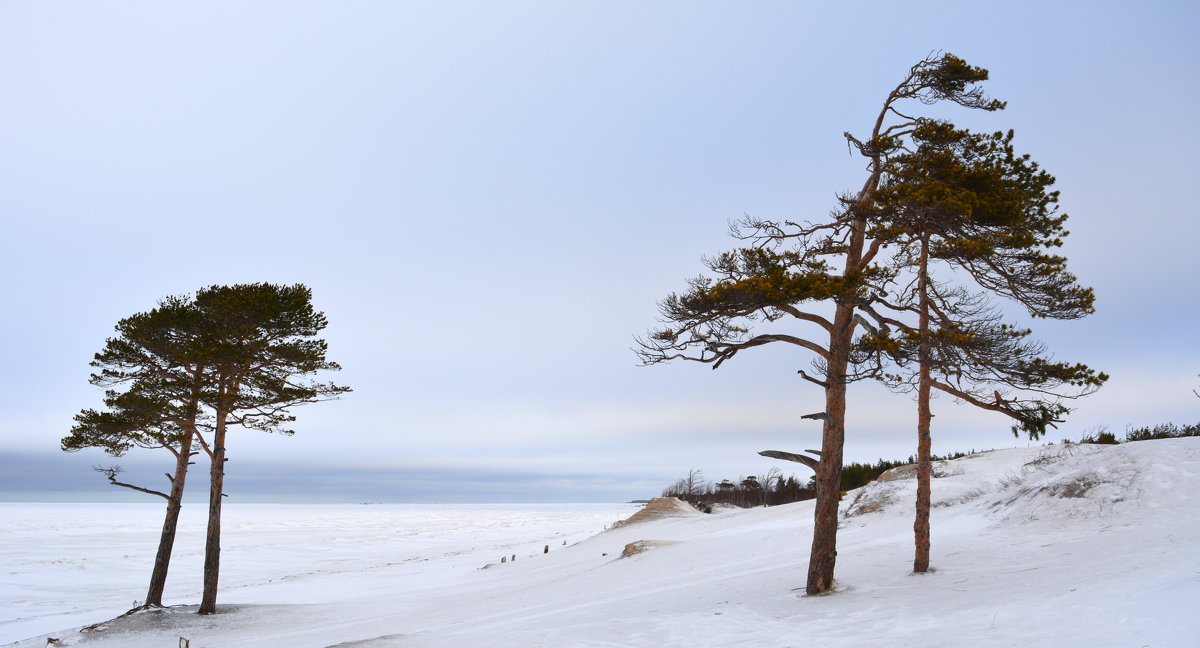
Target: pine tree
{"points": [[231, 356], [788, 270], [260, 346], [969, 204], [154, 382]]}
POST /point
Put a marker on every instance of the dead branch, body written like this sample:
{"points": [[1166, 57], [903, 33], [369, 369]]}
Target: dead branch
{"points": [[112, 471]]}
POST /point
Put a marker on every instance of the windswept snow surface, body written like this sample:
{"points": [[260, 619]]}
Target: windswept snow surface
{"points": [[63, 565], [1076, 545]]}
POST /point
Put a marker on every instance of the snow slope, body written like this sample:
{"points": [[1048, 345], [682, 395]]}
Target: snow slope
{"points": [[1061, 545]]}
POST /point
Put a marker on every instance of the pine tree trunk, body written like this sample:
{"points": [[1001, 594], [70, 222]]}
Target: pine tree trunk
{"points": [[212, 545], [166, 541], [823, 557], [924, 416]]}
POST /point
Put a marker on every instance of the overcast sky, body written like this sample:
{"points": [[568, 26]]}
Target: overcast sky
{"points": [[488, 199]]}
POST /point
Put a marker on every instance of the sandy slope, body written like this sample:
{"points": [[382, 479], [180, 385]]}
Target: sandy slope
{"points": [[1060, 545]]}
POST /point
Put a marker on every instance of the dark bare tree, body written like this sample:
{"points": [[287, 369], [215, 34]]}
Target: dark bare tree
{"points": [[695, 480], [687, 486], [795, 271]]}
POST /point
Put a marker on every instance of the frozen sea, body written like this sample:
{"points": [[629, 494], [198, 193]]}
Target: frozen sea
{"points": [[65, 565]]}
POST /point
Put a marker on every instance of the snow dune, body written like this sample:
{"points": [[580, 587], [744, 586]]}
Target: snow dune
{"points": [[1059, 545]]}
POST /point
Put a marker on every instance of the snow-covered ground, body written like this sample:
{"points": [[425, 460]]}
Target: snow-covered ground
{"points": [[64, 565], [1060, 545]]}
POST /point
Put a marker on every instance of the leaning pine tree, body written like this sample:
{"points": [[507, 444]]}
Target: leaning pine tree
{"points": [[260, 347], [968, 204], [153, 378], [790, 271]]}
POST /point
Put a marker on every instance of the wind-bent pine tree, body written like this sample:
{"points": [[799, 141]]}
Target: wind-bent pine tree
{"points": [[260, 347], [968, 203], [152, 359], [788, 266]]}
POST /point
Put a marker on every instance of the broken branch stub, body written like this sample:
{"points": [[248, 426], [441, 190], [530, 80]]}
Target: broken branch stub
{"points": [[791, 456]]}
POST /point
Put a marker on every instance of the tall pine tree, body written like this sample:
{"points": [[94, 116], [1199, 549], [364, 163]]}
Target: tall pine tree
{"points": [[969, 204], [154, 379], [260, 349], [793, 271]]}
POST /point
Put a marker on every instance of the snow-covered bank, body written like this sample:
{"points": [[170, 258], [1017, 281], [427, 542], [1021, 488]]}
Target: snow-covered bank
{"points": [[1061, 545]]}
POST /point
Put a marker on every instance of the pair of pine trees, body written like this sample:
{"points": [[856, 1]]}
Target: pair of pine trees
{"points": [[184, 373], [938, 200]]}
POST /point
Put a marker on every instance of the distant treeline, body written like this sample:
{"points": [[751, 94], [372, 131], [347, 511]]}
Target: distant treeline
{"points": [[773, 488], [769, 490], [1161, 431]]}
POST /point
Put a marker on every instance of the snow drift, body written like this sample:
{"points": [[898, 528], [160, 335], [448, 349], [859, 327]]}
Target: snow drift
{"points": [[1057, 545]]}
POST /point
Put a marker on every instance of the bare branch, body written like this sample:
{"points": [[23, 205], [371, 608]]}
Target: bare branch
{"points": [[821, 383], [791, 456], [112, 471]]}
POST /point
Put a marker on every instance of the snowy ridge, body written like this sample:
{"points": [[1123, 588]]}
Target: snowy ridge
{"points": [[1058, 545]]}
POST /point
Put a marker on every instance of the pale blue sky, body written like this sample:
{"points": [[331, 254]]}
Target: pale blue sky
{"points": [[488, 199]]}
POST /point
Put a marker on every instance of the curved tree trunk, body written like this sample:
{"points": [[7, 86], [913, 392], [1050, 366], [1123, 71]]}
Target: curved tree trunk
{"points": [[166, 541]]}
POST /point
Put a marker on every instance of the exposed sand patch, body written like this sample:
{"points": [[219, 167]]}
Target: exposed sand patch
{"points": [[659, 507], [639, 546]]}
